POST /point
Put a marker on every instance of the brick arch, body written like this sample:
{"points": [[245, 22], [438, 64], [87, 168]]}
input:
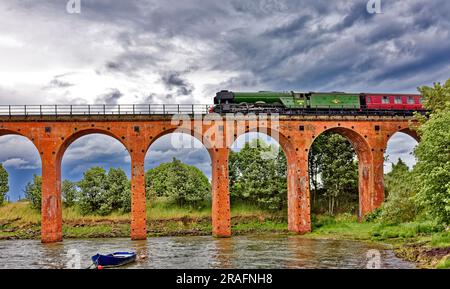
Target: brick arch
{"points": [[407, 131], [297, 193], [68, 140], [364, 154]]}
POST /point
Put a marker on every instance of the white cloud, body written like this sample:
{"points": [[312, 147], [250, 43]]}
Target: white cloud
{"points": [[20, 164]]}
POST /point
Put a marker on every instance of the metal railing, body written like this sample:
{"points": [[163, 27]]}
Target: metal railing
{"points": [[171, 109], [103, 109]]}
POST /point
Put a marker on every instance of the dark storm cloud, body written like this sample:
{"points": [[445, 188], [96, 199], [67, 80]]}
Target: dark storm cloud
{"points": [[301, 44], [173, 80], [112, 97]]}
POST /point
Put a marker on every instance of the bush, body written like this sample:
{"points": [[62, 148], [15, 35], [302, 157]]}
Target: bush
{"points": [[4, 187], [102, 193], [258, 176], [400, 206], [433, 167], [69, 193], [182, 184]]}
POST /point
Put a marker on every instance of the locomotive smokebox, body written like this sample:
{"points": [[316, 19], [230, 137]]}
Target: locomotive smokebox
{"points": [[224, 96]]}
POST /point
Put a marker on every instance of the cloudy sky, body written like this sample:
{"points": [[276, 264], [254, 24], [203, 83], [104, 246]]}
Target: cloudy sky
{"points": [[161, 51]]}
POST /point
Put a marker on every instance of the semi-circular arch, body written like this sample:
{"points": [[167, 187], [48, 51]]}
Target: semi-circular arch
{"points": [[364, 154]]}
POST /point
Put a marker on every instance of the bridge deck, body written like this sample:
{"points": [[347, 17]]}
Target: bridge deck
{"points": [[155, 117]]}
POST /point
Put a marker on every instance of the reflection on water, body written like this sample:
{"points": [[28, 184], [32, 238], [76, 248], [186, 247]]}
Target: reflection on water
{"points": [[257, 251]]}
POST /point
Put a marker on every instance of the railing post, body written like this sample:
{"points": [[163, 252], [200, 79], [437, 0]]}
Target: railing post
{"points": [[192, 109], [104, 109], [25, 107], [89, 109], [134, 111], [149, 109], [71, 110], [164, 109], [9, 110], [118, 109], [56, 110], [40, 110]]}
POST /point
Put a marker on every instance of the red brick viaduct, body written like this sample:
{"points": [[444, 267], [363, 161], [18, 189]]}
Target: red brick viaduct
{"points": [[52, 135]]}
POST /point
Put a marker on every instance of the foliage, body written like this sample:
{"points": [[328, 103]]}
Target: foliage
{"points": [[4, 187], [400, 186], [433, 166], [180, 183], [436, 98], [258, 175], [333, 160], [69, 193], [93, 192], [118, 189], [102, 193], [33, 192]]}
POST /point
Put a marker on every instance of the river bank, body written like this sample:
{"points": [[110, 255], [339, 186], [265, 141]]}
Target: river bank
{"points": [[423, 243]]}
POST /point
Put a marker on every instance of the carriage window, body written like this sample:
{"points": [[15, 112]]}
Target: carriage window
{"points": [[410, 100], [398, 99], [369, 99], [385, 99], [420, 100]]}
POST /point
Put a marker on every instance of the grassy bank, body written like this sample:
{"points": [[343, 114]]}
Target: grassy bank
{"points": [[19, 221], [424, 243]]}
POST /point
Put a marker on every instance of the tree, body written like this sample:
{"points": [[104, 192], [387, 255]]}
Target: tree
{"points": [[433, 154], [118, 188], [400, 187], [93, 193], [333, 172], [433, 166], [4, 187], [257, 178], [69, 193], [339, 171], [436, 98], [33, 192], [180, 183], [315, 161]]}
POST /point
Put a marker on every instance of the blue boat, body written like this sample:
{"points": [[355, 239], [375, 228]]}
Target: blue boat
{"points": [[114, 260]]}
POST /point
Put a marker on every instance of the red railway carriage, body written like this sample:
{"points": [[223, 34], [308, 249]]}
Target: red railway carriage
{"points": [[392, 101]]}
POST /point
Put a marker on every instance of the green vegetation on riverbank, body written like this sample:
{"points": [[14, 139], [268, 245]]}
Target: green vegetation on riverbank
{"points": [[421, 242], [20, 221]]}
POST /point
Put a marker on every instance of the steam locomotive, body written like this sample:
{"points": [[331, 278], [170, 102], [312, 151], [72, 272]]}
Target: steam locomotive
{"points": [[317, 103]]}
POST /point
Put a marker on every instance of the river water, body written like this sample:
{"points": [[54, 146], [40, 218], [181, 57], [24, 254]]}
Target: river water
{"points": [[253, 251]]}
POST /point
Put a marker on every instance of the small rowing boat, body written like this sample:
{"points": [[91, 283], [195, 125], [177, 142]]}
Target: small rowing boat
{"points": [[113, 260]]}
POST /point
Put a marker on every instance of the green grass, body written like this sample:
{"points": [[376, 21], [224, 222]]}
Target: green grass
{"points": [[440, 240], [19, 220], [444, 263], [260, 226], [418, 231], [340, 227]]}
